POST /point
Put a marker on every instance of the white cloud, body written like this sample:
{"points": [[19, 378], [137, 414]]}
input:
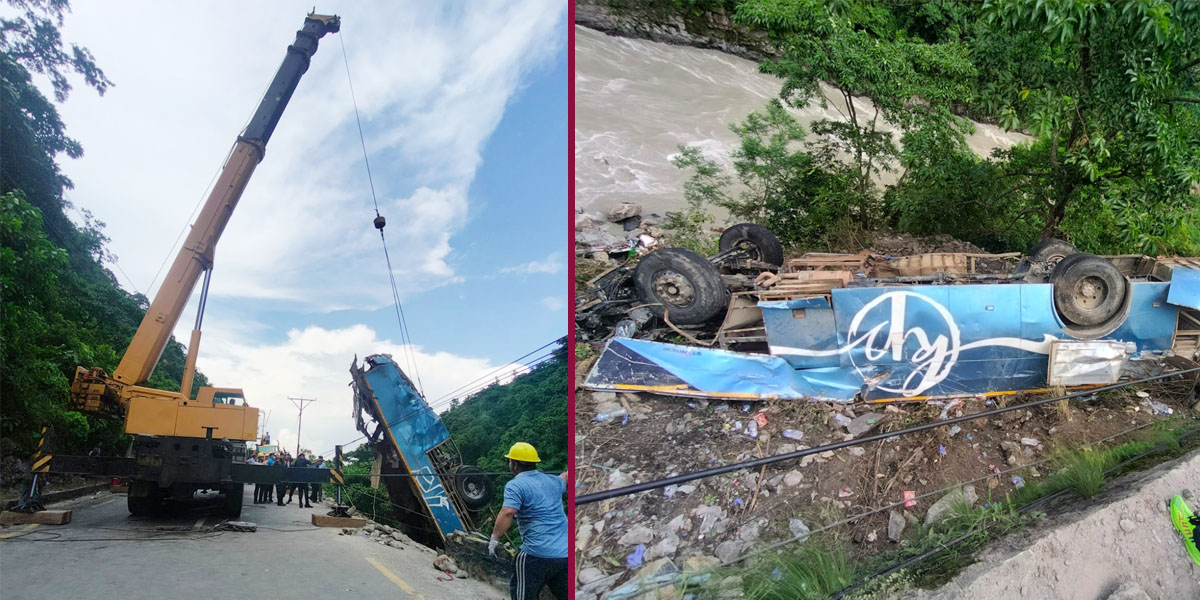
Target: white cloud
{"points": [[551, 265], [432, 86], [553, 303], [314, 363]]}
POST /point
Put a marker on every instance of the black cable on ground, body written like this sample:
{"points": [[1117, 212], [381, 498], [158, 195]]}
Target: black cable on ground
{"points": [[750, 464]]}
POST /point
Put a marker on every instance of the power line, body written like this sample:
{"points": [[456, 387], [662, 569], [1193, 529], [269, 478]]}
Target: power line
{"points": [[490, 375], [750, 464]]}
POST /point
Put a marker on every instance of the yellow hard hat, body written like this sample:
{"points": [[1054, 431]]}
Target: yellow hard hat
{"points": [[524, 452]]}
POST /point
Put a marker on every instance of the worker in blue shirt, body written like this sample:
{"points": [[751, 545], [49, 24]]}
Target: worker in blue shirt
{"points": [[535, 499]]}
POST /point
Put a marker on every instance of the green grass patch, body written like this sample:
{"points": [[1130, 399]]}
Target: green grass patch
{"points": [[816, 570]]}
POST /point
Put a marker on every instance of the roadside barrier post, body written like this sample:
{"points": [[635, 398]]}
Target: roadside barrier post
{"points": [[338, 476]]}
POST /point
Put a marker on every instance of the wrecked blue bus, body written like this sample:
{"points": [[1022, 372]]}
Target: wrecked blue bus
{"points": [[417, 461], [1069, 320]]}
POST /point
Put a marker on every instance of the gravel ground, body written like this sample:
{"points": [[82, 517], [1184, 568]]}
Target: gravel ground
{"points": [[1125, 537]]}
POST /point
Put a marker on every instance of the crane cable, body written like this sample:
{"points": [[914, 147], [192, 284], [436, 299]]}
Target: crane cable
{"points": [[410, 355]]}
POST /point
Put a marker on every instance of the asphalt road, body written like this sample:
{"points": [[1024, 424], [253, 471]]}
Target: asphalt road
{"points": [[107, 553]]}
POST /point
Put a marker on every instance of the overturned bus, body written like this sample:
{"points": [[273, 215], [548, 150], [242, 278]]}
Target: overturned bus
{"points": [[420, 467], [862, 327]]}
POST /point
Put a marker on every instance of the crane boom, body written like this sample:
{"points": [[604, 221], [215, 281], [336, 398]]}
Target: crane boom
{"points": [[196, 255]]}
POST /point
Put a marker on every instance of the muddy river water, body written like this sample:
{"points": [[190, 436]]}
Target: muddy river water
{"points": [[636, 101]]}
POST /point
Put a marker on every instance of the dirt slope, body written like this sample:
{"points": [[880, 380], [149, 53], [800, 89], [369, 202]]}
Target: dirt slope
{"points": [[1125, 536]]}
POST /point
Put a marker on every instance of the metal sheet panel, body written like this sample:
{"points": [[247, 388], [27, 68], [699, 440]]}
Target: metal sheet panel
{"points": [[640, 365], [1185, 287], [808, 326], [1086, 363]]}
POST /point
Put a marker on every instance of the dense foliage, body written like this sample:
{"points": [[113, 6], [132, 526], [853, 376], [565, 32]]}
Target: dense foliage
{"points": [[61, 307], [532, 408], [1107, 90]]}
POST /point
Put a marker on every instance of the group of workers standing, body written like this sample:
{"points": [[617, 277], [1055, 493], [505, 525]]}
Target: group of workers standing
{"points": [[266, 493]]}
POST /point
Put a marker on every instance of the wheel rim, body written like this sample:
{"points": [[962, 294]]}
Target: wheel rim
{"points": [[472, 491], [1090, 293], [674, 289]]}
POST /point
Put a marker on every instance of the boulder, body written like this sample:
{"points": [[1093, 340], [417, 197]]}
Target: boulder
{"points": [[623, 211], [445, 564], [945, 506], [638, 534]]}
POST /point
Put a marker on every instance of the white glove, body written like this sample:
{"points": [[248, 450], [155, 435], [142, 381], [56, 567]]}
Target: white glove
{"points": [[492, 546]]}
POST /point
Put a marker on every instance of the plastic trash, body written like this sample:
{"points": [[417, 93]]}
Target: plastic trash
{"points": [[953, 404], [1157, 407], [761, 419], [670, 490], [910, 498], [634, 560], [841, 420], [845, 493], [746, 407], [941, 450], [620, 412], [793, 434], [721, 408], [626, 328], [1018, 482], [955, 430], [739, 502], [625, 419], [752, 430]]}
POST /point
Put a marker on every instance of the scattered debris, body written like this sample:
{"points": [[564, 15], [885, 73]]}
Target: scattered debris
{"points": [[798, 529], [910, 498], [896, 525], [793, 434], [243, 526], [1157, 407], [634, 560], [863, 424]]}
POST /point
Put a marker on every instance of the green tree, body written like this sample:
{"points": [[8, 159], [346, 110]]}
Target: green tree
{"points": [[860, 50], [1109, 91], [60, 306]]}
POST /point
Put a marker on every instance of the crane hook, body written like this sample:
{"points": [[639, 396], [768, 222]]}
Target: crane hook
{"points": [[380, 222]]}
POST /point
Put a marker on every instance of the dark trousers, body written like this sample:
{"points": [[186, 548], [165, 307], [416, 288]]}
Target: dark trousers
{"points": [[258, 493], [303, 489], [314, 492], [279, 489], [532, 573]]}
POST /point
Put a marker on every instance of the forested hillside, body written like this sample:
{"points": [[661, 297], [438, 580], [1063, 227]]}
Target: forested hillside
{"points": [[61, 305], [532, 408], [1107, 90]]}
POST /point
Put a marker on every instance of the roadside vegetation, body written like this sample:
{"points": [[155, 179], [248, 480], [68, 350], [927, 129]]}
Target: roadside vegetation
{"points": [[1107, 91], [60, 304]]}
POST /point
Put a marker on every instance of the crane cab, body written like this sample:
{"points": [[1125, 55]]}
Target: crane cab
{"points": [[223, 410]]}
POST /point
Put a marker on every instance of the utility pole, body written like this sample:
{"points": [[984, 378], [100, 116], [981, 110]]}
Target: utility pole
{"points": [[299, 403]]}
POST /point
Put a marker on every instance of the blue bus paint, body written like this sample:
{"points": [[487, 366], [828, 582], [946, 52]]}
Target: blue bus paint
{"points": [[414, 429], [903, 341]]}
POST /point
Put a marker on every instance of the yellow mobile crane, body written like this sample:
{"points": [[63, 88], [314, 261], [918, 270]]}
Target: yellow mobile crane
{"points": [[181, 443]]}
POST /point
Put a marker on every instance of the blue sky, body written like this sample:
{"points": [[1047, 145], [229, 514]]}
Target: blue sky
{"points": [[464, 109]]}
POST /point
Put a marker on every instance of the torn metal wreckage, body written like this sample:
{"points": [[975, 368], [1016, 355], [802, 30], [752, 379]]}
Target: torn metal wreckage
{"points": [[877, 328]]}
